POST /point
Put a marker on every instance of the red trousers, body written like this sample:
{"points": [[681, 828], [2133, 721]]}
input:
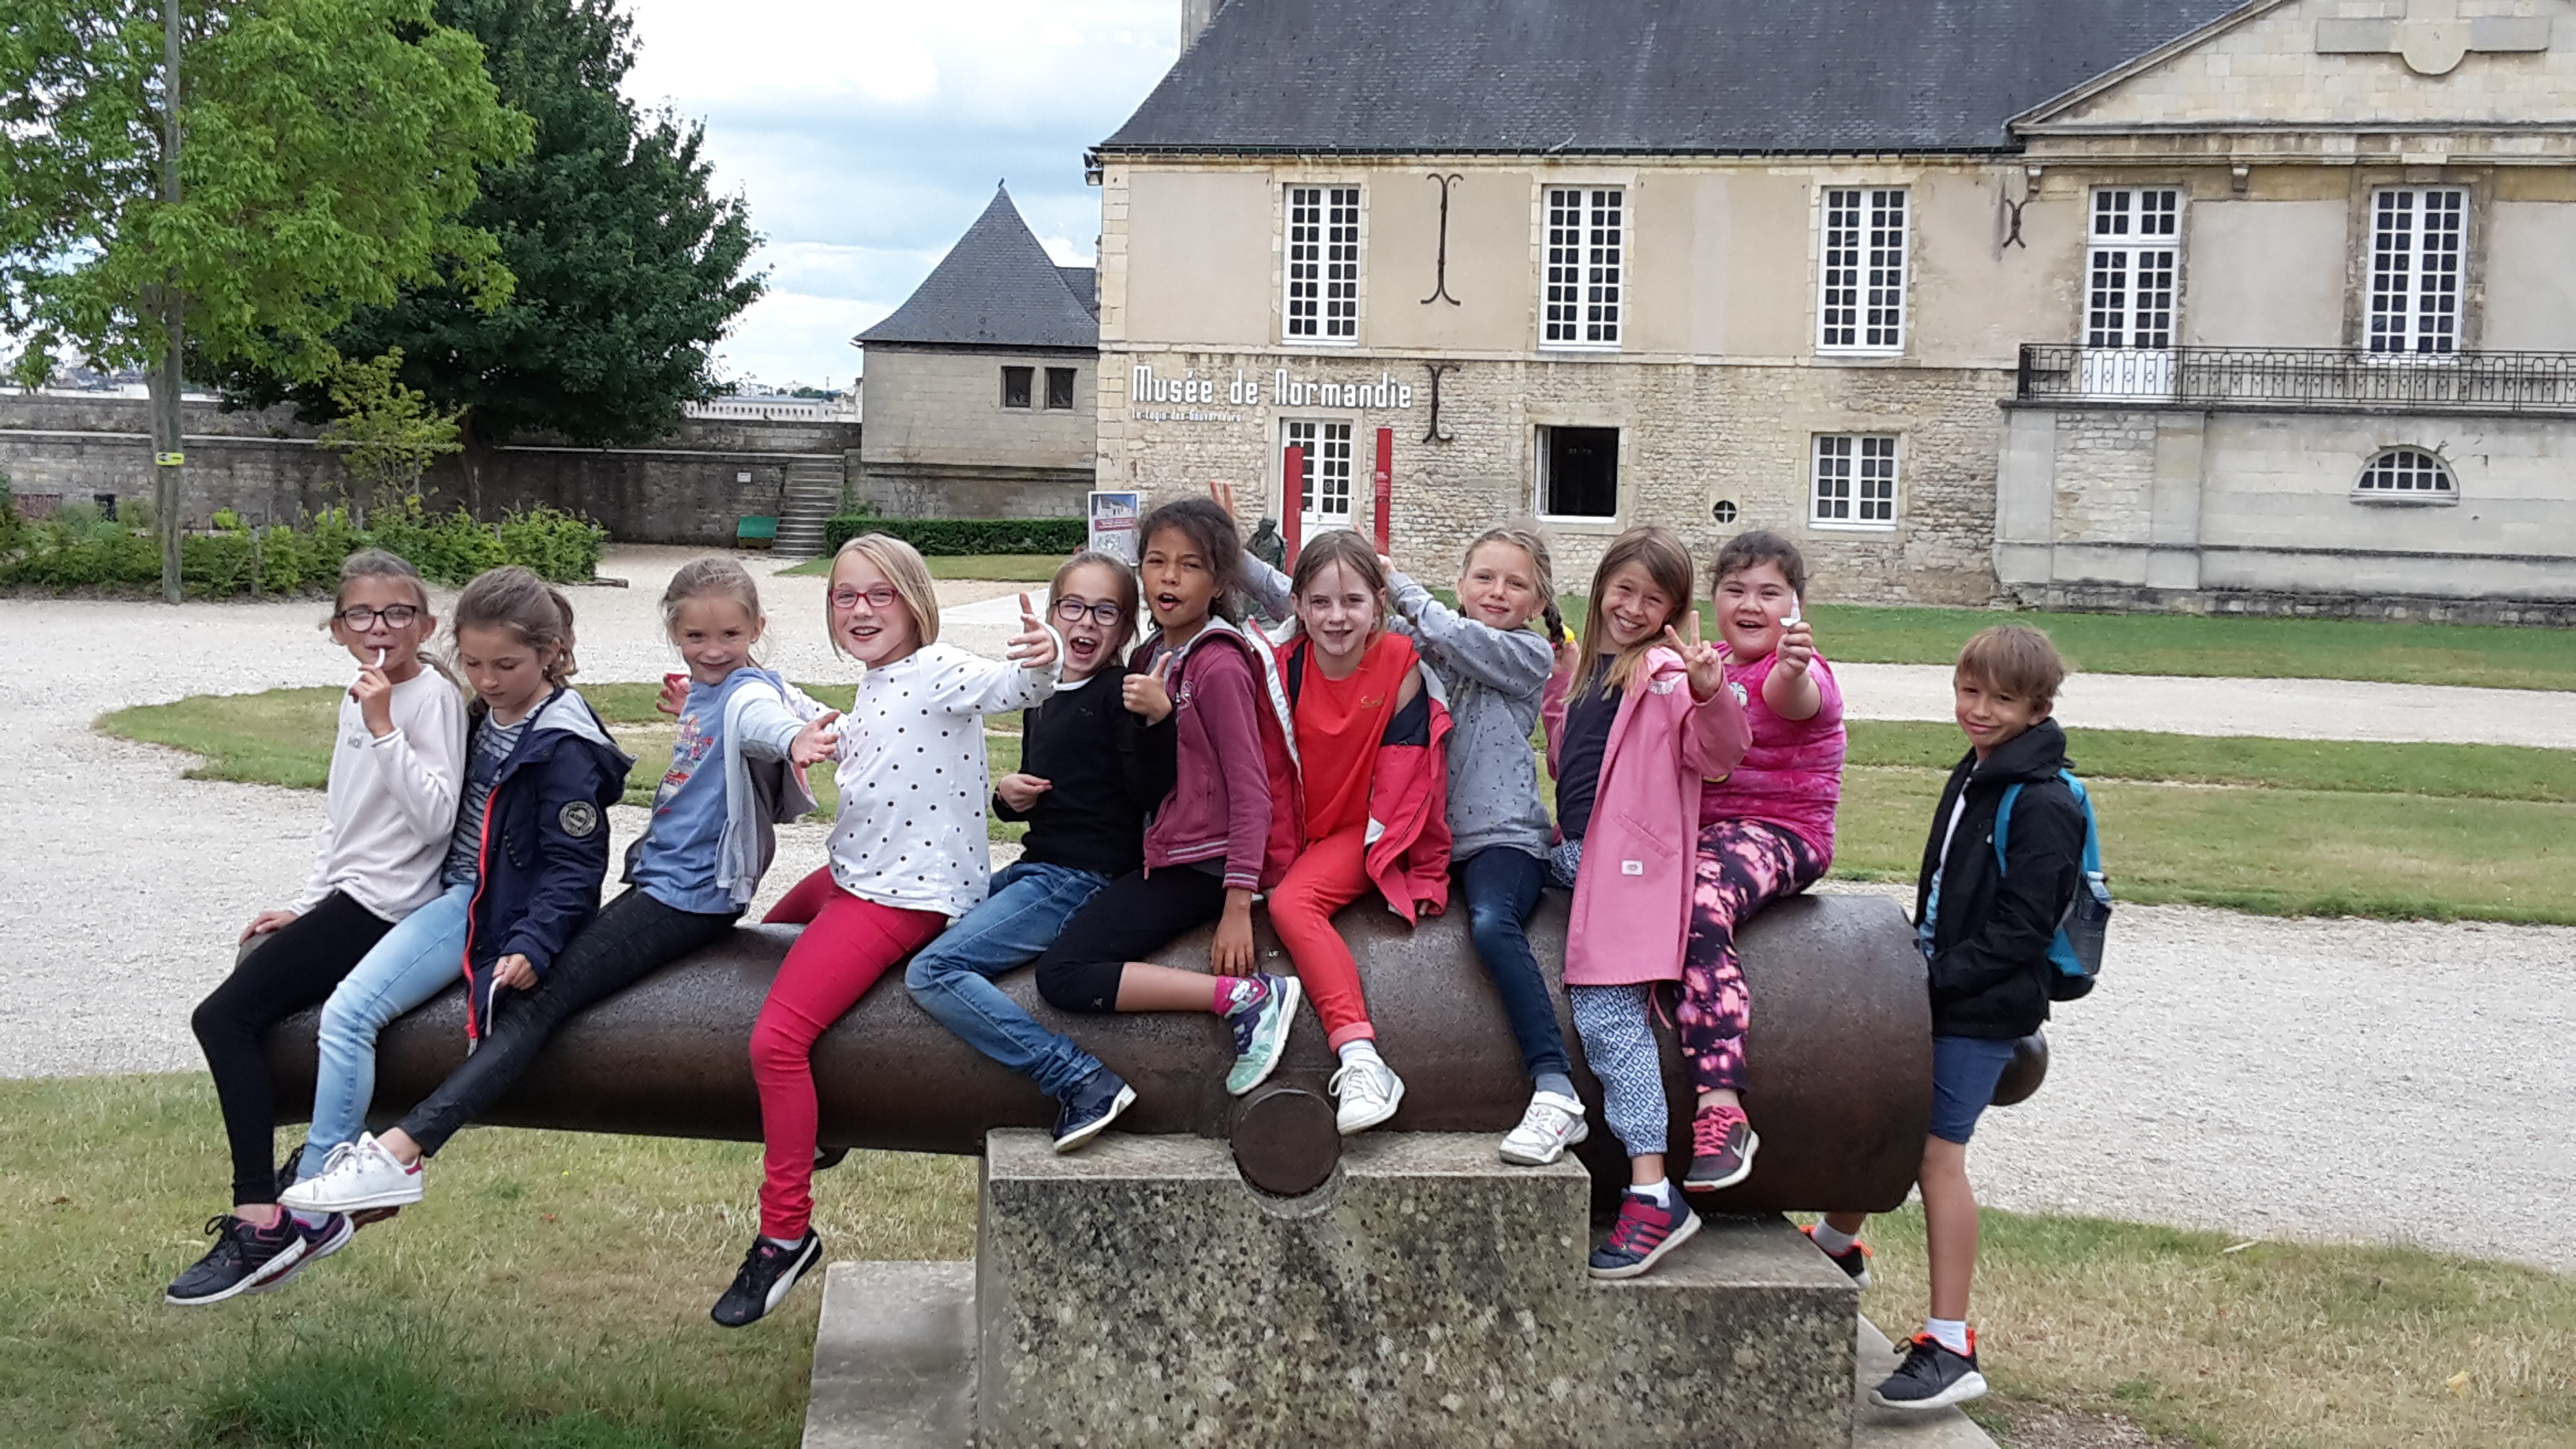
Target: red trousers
{"points": [[848, 943], [1332, 873]]}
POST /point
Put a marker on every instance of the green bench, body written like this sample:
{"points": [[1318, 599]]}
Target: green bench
{"points": [[756, 531]]}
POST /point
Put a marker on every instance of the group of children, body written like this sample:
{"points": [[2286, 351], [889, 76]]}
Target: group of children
{"points": [[1377, 742]]}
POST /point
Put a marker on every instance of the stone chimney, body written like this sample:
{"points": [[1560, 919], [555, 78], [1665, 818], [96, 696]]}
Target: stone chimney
{"points": [[1195, 15]]}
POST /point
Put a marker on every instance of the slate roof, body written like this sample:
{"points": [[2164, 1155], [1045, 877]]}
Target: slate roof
{"points": [[996, 288], [1632, 77], [1085, 282]]}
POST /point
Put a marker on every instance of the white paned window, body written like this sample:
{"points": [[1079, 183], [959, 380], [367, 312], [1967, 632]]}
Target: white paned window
{"points": [[1861, 296], [2406, 475], [1323, 264], [2415, 235], [1324, 492], [1587, 268], [2129, 269], [1855, 481]]}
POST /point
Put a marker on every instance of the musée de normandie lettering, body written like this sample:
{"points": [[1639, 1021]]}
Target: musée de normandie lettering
{"points": [[1241, 391]]}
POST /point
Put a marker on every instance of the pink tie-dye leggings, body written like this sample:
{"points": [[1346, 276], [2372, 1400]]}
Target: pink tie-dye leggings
{"points": [[1743, 866]]}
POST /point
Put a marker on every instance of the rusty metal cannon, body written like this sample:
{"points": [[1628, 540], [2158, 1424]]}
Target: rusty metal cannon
{"points": [[1839, 1058]]}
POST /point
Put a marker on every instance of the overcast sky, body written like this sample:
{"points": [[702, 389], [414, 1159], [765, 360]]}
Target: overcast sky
{"points": [[867, 134]]}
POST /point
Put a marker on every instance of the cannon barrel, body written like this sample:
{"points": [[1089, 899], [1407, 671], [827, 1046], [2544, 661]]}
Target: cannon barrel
{"points": [[1839, 1057]]}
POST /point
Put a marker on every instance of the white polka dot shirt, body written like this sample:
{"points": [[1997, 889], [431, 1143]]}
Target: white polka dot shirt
{"points": [[913, 781]]}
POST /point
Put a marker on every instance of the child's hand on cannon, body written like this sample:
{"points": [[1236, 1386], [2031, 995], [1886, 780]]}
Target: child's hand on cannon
{"points": [[514, 972], [267, 921]]}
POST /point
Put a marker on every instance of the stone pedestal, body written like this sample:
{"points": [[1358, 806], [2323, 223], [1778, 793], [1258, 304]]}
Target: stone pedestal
{"points": [[1139, 1293]]}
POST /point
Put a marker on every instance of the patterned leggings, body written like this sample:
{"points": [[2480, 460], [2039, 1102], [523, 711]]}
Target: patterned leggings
{"points": [[1743, 866], [1617, 1026]]}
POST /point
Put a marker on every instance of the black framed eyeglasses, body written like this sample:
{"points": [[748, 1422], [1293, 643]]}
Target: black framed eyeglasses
{"points": [[1104, 613], [880, 597], [362, 618]]}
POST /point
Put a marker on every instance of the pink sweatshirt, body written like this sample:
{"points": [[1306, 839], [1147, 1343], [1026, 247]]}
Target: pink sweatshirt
{"points": [[1792, 773]]}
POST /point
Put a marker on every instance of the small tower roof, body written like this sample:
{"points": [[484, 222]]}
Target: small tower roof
{"points": [[996, 288]]}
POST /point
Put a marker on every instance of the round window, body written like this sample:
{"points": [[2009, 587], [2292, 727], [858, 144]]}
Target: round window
{"points": [[1723, 510], [2406, 474]]}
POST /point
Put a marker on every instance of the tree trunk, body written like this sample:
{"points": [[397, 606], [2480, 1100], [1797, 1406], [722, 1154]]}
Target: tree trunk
{"points": [[163, 382]]}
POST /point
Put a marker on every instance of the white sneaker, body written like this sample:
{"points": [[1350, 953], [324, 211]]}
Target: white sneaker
{"points": [[356, 1177], [1369, 1091], [1552, 1124]]}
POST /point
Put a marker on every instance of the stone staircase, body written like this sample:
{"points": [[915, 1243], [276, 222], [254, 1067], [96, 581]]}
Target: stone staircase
{"points": [[1140, 1293], [813, 495]]}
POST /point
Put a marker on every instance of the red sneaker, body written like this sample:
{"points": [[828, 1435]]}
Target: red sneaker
{"points": [[1722, 1148]]}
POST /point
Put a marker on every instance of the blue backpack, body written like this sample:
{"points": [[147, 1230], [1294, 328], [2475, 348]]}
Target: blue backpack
{"points": [[2077, 950]]}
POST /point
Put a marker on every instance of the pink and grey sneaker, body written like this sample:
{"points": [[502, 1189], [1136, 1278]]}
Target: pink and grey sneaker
{"points": [[1645, 1232], [1722, 1148]]}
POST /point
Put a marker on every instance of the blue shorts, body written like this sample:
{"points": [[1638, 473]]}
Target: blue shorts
{"points": [[1964, 1072]]}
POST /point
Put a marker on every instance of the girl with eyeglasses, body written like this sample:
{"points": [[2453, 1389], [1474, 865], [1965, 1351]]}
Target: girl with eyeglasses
{"points": [[1090, 772], [908, 852], [396, 760]]}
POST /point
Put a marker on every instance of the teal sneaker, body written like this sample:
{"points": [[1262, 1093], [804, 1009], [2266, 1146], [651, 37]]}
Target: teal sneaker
{"points": [[1261, 1032]]}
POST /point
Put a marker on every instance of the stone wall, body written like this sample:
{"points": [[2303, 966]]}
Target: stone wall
{"points": [[689, 489], [1692, 436], [2257, 511]]}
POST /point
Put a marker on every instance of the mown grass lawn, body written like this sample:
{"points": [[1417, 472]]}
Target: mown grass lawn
{"points": [[552, 1294], [2282, 827]]}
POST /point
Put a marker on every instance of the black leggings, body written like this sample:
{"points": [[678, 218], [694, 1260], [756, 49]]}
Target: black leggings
{"points": [[1131, 916], [287, 970], [632, 937]]}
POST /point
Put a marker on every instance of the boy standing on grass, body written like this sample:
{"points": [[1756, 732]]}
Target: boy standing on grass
{"points": [[1985, 934]]}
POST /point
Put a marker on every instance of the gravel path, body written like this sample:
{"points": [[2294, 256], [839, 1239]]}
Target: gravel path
{"points": [[2296, 709], [2287, 1078]]}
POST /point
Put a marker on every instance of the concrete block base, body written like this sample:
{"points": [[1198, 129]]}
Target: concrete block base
{"points": [[1139, 1292]]}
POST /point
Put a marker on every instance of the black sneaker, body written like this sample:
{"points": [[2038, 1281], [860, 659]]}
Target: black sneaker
{"points": [[768, 1272], [243, 1258], [320, 1242], [1932, 1377], [1092, 1105], [1854, 1260]]}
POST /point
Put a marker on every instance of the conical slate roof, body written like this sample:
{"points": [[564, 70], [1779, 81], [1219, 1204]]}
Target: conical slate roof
{"points": [[996, 288]]}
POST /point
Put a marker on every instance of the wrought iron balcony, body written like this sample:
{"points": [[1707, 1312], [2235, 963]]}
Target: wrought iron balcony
{"points": [[2300, 378]]}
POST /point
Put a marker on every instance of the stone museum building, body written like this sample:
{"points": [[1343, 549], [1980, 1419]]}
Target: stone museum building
{"points": [[979, 389], [2127, 303]]}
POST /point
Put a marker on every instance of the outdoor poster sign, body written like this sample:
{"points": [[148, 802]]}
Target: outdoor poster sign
{"points": [[1113, 523]]}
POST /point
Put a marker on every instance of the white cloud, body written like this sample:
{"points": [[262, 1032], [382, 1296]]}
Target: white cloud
{"points": [[866, 134]]}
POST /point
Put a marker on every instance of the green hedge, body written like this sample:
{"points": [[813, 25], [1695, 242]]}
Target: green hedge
{"points": [[78, 549], [965, 535]]}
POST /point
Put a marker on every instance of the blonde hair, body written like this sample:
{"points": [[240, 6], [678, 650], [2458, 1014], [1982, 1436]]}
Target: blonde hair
{"points": [[2015, 659], [1668, 566], [711, 577], [535, 611], [1524, 535], [901, 564], [1129, 601]]}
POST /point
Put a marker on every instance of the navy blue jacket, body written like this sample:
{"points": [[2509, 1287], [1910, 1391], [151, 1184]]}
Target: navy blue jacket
{"points": [[545, 845], [1988, 960]]}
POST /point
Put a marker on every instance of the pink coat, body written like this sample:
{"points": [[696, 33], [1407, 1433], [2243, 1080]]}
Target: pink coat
{"points": [[1632, 897]]}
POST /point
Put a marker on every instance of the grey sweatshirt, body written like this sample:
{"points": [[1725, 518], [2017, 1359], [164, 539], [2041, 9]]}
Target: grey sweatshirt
{"points": [[1493, 681]]}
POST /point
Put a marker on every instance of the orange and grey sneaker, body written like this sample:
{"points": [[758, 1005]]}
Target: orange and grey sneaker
{"points": [[1932, 1377], [1645, 1232], [1854, 1260], [1722, 1148]]}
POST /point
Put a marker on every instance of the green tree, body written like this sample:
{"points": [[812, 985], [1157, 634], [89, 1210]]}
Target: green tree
{"points": [[243, 175], [387, 435], [629, 270]]}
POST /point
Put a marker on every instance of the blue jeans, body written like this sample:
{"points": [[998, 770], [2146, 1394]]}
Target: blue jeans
{"points": [[952, 977], [417, 959], [1502, 887]]}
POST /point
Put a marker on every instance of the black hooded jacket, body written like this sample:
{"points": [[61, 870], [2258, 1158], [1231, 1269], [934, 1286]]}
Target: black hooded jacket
{"points": [[1989, 946]]}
